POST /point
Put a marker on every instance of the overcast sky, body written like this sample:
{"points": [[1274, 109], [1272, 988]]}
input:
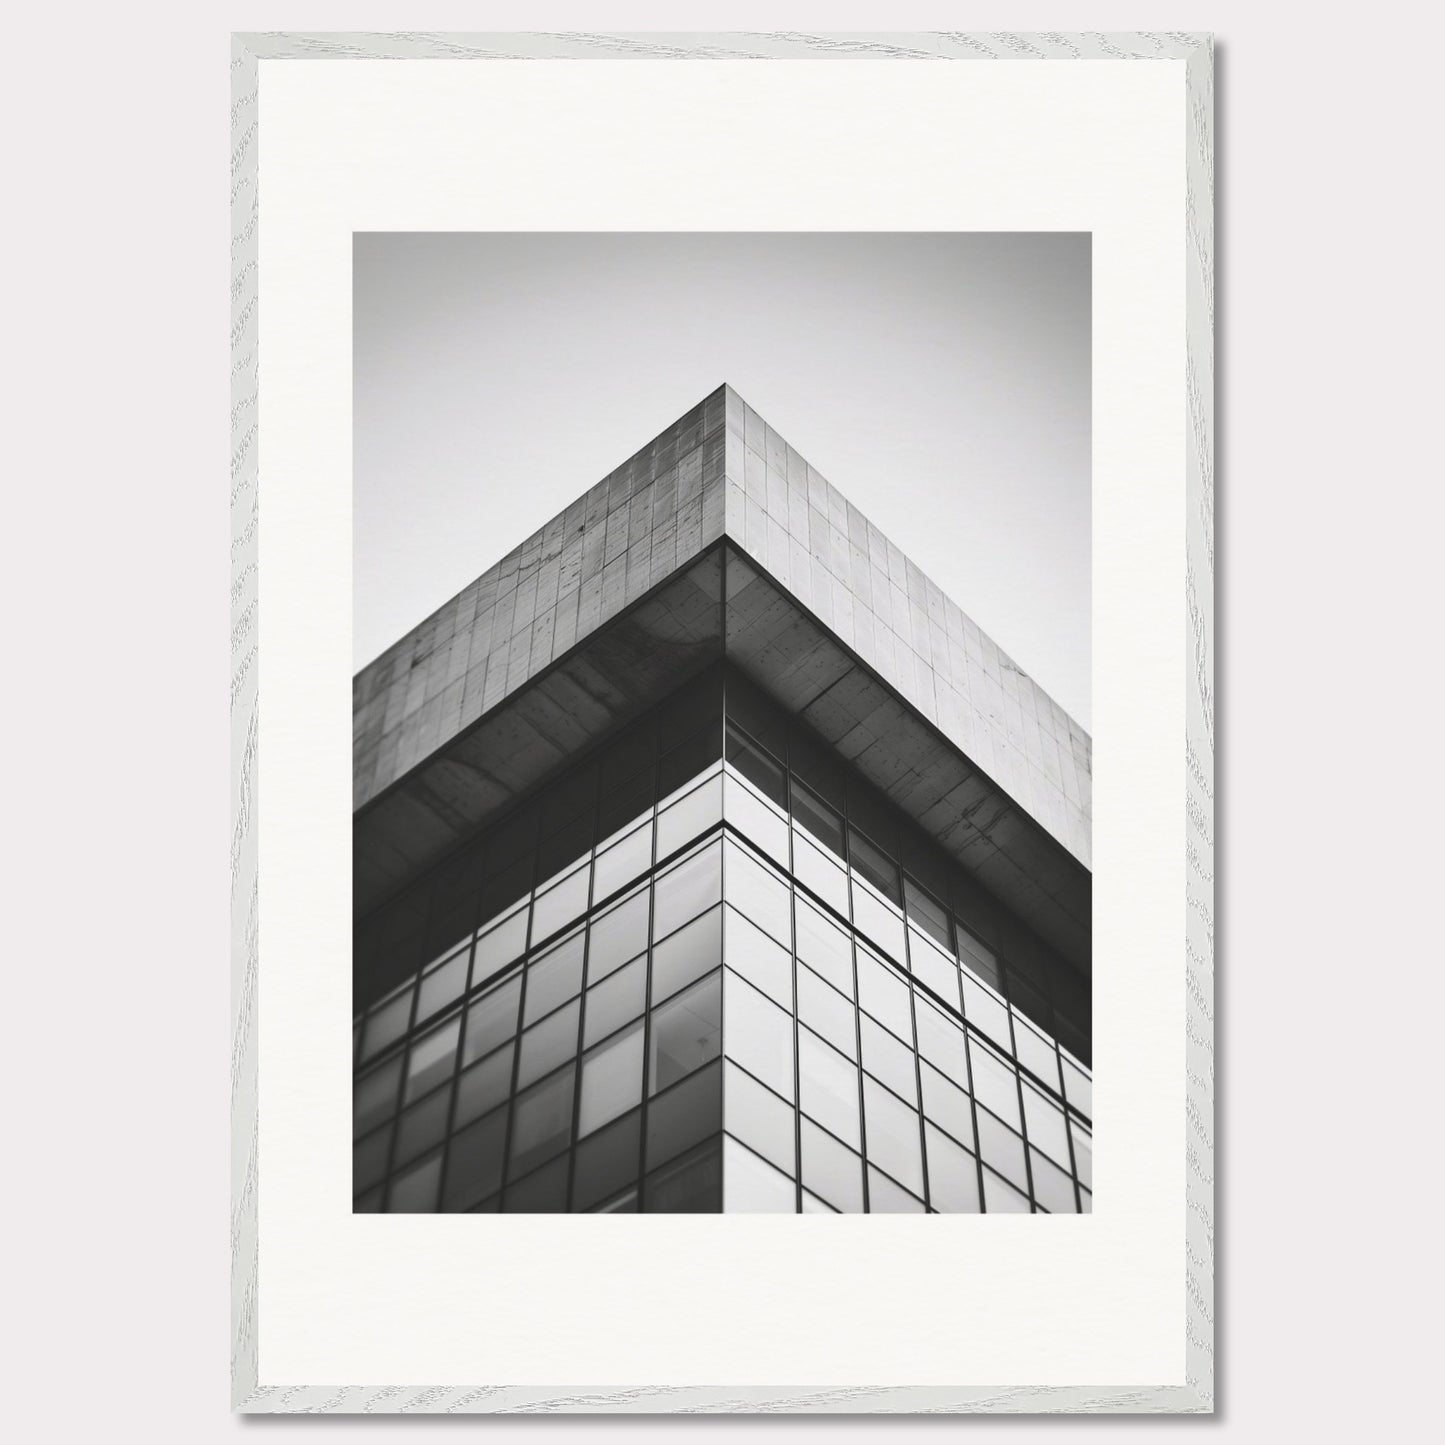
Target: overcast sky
{"points": [[939, 381]]}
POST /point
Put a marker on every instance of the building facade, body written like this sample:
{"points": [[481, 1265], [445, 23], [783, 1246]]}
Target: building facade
{"points": [[708, 859]]}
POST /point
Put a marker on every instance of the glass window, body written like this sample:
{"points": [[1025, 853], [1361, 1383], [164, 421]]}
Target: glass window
{"points": [[823, 823], [688, 760], [751, 1186], [1001, 1148], [375, 1097], [607, 1161], [759, 1035], [928, 913], [827, 1012], [684, 1115], [624, 1203], [415, 1192], [825, 948], [1002, 1198], [686, 1033], [894, 1141], [813, 1205], [883, 992], [484, 1086], [816, 870], [474, 1162], [386, 1024], [431, 1058], [370, 1202], [1045, 1123], [617, 1000], [611, 1079], [1083, 1153], [554, 978], [492, 1019], [368, 1159], [750, 952], [1035, 1052], [977, 959], [933, 968], [872, 863], [757, 766], [617, 865], [759, 893], [547, 1044], [880, 923], [946, 1104], [689, 817], [885, 1197], [1078, 1088], [1053, 1188], [618, 936], [542, 1192], [995, 1084], [889, 1061], [952, 1174], [828, 1085], [687, 890], [686, 955], [444, 984], [423, 1126], [759, 1118], [831, 1171], [755, 820], [542, 1121], [688, 1186], [502, 944], [559, 903], [940, 1040]]}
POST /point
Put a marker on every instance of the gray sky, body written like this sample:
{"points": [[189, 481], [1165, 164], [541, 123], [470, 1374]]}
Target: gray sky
{"points": [[940, 381]]}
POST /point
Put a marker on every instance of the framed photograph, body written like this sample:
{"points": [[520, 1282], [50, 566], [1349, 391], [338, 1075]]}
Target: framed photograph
{"points": [[753, 496]]}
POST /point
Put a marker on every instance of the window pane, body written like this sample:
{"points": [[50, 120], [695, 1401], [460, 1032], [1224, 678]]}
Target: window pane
{"points": [[619, 864], [828, 1084], [947, 1105], [1046, 1125], [952, 1174], [757, 822], [884, 994], [684, 1116], [542, 1192], [423, 1126], [560, 904], [686, 1033], [995, 1083], [548, 1043], [832, 1172], [687, 890], [1053, 1188], [368, 1159], [813, 1205], [444, 984], [978, 959], [1001, 1148], [501, 945], [484, 1086], [933, 968], [542, 1121], [1001, 1198], [873, 917], [618, 936], [827, 1012], [893, 1136], [928, 913], [889, 1061], [825, 948], [611, 1080], [617, 1000], [885, 1197], [554, 978], [1036, 1053], [492, 1019], [751, 1186], [1083, 1154], [607, 1161], [750, 952], [1078, 1089], [759, 1118], [816, 870], [689, 1186], [763, 771], [759, 1035], [689, 817], [759, 893], [940, 1040], [624, 1203], [686, 955], [822, 822], [375, 1097], [474, 1162], [431, 1058], [386, 1025], [415, 1192], [870, 862]]}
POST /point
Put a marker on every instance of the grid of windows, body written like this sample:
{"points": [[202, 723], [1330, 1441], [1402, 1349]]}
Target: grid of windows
{"points": [[734, 999]]}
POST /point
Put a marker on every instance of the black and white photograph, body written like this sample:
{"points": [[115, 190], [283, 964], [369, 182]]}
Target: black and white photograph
{"points": [[722, 765]]}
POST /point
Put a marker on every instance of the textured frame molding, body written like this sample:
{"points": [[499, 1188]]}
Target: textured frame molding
{"points": [[1197, 1394]]}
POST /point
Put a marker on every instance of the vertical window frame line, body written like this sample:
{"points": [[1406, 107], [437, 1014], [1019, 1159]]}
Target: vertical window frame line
{"points": [[917, 1056]]}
